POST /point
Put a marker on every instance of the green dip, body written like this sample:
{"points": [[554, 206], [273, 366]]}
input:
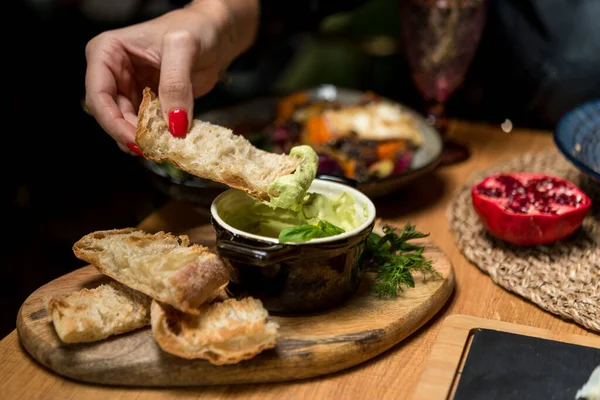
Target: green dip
{"points": [[252, 216], [289, 191]]}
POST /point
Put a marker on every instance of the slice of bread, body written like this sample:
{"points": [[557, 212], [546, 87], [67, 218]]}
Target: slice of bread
{"points": [[223, 333], [210, 152], [89, 315], [161, 265]]}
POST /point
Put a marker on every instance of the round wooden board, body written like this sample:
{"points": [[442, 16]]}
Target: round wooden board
{"points": [[364, 327]]}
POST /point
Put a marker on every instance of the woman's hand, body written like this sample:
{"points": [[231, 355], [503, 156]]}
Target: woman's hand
{"points": [[180, 53]]}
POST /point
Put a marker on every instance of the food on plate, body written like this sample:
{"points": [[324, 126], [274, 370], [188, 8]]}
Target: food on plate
{"points": [[222, 333], [89, 315], [178, 288], [376, 120], [249, 215], [367, 140], [370, 139], [529, 209], [213, 152], [591, 389], [161, 265], [162, 281]]}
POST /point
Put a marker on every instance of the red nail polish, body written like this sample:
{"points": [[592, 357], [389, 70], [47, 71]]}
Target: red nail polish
{"points": [[178, 122], [134, 147]]}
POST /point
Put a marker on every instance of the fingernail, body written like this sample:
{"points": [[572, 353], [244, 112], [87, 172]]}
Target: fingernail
{"points": [[178, 123], [134, 147]]}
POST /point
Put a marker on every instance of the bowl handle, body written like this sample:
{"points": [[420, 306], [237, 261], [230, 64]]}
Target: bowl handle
{"points": [[339, 179], [257, 256]]}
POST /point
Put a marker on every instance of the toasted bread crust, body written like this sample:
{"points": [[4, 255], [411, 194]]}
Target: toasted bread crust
{"points": [[218, 153], [223, 333], [165, 267]]}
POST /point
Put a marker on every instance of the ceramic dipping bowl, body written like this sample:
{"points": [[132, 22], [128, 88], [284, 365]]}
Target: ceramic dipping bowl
{"points": [[295, 277]]}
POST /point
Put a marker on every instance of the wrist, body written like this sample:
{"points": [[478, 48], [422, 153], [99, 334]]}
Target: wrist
{"points": [[236, 22]]}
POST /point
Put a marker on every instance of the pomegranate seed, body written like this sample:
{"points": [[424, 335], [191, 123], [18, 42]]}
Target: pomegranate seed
{"points": [[490, 192]]}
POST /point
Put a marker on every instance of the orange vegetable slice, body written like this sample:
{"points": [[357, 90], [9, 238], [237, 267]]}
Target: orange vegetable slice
{"points": [[388, 150], [317, 130]]}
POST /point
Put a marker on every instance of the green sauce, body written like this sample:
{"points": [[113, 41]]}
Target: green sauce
{"points": [[289, 191], [249, 215]]}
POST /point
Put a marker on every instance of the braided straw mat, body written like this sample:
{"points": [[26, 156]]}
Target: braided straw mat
{"points": [[563, 277]]}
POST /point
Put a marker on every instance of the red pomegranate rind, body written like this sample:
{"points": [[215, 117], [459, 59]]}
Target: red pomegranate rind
{"points": [[528, 209]]}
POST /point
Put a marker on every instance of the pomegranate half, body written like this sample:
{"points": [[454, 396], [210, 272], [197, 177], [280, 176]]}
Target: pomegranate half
{"points": [[528, 209]]}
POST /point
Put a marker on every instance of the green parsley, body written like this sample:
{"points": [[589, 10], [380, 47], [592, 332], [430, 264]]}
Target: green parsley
{"points": [[390, 256], [393, 259]]}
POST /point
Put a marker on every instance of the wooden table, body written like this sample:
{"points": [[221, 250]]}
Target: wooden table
{"points": [[392, 375]]}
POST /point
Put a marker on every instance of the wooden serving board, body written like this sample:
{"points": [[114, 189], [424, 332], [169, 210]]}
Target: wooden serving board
{"points": [[364, 327], [446, 362]]}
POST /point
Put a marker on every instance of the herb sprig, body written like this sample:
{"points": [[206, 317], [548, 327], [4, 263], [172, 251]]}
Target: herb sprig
{"points": [[393, 259], [303, 233], [390, 256]]}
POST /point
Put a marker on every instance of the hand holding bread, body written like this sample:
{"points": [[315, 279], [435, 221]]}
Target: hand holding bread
{"points": [[214, 152], [179, 53]]}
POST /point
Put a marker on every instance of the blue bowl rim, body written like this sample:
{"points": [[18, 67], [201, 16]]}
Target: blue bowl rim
{"points": [[561, 127]]}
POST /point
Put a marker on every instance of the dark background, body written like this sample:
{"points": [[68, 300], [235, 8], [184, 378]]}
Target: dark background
{"points": [[65, 177]]}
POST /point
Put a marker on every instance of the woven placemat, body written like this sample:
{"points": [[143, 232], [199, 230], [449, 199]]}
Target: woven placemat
{"points": [[563, 277]]}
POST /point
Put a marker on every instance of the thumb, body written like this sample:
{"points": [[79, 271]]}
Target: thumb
{"points": [[175, 87]]}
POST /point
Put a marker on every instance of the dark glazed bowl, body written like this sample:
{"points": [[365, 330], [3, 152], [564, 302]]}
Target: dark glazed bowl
{"points": [[295, 277]]}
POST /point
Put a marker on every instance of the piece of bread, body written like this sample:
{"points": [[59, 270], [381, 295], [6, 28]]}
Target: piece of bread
{"points": [[223, 333], [210, 152], [89, 315], [161, 265]]}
